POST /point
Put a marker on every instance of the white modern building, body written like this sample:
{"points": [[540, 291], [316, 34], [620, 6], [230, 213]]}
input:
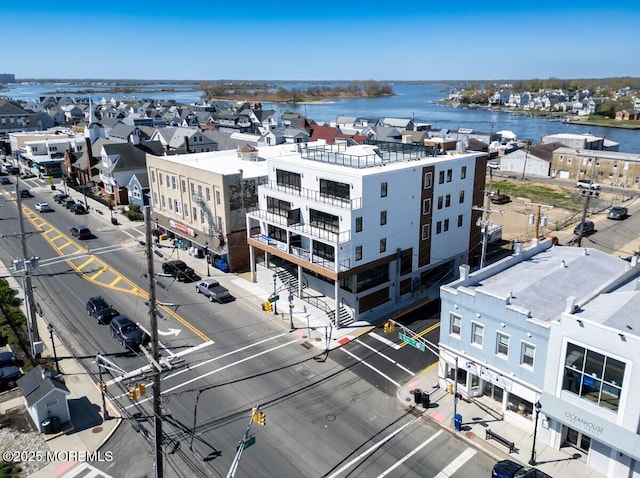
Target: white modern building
{"points": [[369, 228], [557, 326]]}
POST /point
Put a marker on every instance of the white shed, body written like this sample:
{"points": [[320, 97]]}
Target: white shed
{"points": [[46, 398]]}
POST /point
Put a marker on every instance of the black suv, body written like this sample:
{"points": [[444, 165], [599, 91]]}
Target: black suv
{"points": [[98, 308], [127, 332], [179, 270]]}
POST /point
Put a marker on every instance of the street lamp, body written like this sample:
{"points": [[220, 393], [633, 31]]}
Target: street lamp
{"points": [[206, 257], [53, 345], [532, 461], [275, 302]]}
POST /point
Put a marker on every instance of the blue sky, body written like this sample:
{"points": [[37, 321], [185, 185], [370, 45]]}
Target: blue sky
{"points": [[324, 40]]}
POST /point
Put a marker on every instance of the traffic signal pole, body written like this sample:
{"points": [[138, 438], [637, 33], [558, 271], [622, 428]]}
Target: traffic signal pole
{"points": [[241, 445]]}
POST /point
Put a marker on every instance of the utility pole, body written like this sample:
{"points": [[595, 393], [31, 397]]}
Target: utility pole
{"points": [[526, 155], [157, 409], [34, 335], [588, 194], [484, 221]]}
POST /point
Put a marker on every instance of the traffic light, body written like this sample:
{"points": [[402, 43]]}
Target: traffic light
{"points": [[266, 305], [103, 386], [132, 393], [388, 327], [254, 414], [262, 419], [142, 389]]}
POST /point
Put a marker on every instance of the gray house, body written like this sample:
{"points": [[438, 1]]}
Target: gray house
{"points": [[138, 189], [46, 397]]}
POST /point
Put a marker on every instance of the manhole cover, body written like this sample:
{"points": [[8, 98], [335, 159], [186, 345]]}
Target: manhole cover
{"points": [[97, 430], [470, 435], [305, 373], [318, 339], [331, 417]]}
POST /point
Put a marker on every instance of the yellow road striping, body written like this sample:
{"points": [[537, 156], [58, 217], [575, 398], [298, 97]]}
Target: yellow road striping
{"points": [[114, 282], [133, 288], [422, 332], [85, 263], [97, 274]]}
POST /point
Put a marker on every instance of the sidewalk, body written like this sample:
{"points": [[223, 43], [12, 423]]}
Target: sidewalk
{"points": [[478, 416], [312, 326], [87, 431]]}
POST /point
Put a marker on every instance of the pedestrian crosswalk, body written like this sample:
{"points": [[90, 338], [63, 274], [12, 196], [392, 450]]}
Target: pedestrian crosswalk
{"points": [[85, 470]]}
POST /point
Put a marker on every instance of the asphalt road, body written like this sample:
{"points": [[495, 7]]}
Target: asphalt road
{"points": [[327, 415]]}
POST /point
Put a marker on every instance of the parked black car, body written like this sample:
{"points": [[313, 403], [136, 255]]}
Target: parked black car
{"points": [[60, 197], [511, 469], [9, 375], [78, 208], [180, 271], [99, 309], [7, 358], [25, 193], [68, 203], [127, 332]]}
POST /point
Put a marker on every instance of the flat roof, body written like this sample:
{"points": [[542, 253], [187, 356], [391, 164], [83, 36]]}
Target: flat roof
{"points": [[544, 282]]}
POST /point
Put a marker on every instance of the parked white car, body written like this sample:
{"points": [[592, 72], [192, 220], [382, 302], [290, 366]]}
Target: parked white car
{"points": [[43, 207]]}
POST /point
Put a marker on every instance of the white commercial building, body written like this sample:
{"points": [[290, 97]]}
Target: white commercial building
{"points": [[370, 227], [558, 327]]}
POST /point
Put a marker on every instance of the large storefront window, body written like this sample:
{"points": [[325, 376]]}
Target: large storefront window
{"points": [[593, 376]]}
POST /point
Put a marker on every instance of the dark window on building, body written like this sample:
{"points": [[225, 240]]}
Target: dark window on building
{"points": [[383, 218], [323, 250], [449, 175], [446, 225], [426, 206], [441, 177], [372, 278], [277, 206], [288, 179], [406, 261], [463, 172], [383, 245], [440, 202], [323, 220], [334, 189], [383, 190], [447, 200], [277, 233], [593, 376], [358, 253], [461, 200], [460, 220], [438, 227], [427, 180], [359, 224]]}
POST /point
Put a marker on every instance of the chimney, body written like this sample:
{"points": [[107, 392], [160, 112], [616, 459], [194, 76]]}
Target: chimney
{"points": [[186, 144], [46, 373], [89, 155], [464, 271], [517, 248], [570, 307]]}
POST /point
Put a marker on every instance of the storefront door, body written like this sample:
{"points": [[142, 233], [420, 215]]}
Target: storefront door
{"points": [[577, 440]]}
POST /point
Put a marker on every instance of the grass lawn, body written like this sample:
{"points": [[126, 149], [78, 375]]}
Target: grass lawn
{"points": [[541, 193]]}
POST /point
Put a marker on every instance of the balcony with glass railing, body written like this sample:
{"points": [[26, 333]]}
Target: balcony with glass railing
{"points": [[313, 195]]}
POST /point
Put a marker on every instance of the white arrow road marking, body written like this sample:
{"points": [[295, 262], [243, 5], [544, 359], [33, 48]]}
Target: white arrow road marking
{"points": [[170, 332], [373, 448], [413, 452], [371, 367]]}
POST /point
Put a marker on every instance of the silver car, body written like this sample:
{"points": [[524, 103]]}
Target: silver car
{"points": [[617, 212]]}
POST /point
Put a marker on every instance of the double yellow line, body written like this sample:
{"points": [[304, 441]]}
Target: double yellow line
{"points": [[40, 223]]}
